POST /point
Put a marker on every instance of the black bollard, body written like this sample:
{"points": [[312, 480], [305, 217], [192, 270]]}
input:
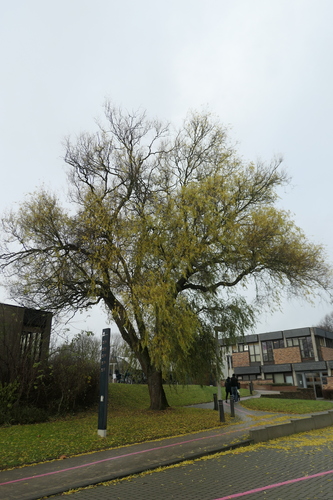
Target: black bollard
{"points": [[251, 388], [232, 406], [215, 401], [221, 411]]}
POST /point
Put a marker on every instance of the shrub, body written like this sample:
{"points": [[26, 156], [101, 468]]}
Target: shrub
{"points": [[8, 395], [281, 385], [75, 374], [328, 393], [26, 415], [70, 382]]}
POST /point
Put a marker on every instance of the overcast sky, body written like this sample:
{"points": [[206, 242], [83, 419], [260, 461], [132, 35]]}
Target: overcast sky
{"points": [[264, 67]]}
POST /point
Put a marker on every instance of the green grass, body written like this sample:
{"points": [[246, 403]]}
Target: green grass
{"points": [[129, 421], [297, 406], [127, 396]]}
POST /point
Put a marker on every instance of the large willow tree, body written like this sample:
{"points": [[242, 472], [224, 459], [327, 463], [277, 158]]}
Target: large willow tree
{"points": [[163, 227]]}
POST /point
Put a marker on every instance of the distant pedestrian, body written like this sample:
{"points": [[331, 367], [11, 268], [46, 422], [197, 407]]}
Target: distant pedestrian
{"points": [[234, 387], [227, 386], [118, 376]]}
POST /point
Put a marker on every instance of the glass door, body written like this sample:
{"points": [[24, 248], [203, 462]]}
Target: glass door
{"points": [[314, 380], [300, 380]]}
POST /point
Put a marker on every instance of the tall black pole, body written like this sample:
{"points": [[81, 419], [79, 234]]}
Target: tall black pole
{"points": [[104, 383]]}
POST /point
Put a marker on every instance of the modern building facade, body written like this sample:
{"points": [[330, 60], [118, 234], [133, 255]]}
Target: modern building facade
{"points": [[24, 340], [302, 357]]}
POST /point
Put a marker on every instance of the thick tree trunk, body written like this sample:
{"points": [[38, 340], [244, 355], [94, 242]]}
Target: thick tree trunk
{"points": [[158, 400]]}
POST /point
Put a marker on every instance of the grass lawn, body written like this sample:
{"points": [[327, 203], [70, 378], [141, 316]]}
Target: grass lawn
{"points": [[299, 406], [129, 422]]}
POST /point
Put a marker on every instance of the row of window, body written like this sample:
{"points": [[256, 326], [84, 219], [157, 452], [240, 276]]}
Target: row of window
{"points": [[267, 346], [278, 378], [31, 344], [311, 379]]}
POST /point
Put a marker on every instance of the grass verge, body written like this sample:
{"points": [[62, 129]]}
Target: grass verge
{"points": [[294, 406], [129, 421]]}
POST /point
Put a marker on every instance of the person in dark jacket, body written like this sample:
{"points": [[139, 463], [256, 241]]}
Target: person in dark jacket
{"points": [[227, 386], [234, 387]]}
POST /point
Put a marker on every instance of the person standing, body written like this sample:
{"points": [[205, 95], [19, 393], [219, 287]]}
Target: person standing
{"points": [[234, 387], [227, 386]]}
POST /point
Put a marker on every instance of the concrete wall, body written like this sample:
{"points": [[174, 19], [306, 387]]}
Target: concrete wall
{"points": [[292, 394], [318, 421]]}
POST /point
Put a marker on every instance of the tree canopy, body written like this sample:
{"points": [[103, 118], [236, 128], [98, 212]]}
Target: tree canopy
{"points": [[163, 227], [326, 322]]}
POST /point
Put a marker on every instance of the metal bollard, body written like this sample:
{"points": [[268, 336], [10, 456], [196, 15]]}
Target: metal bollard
{"points": [[221, 411], [215, 401], [232, 406], [251, 388]]}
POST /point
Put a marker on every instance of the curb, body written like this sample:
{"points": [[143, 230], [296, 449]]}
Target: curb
{"points": [[295, 426], [170, 463]]}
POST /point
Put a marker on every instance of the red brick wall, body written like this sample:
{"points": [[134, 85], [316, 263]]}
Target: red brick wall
{"points": [[241, 359], [327, 353], [262, 386], [287, 355], [329, 384]]}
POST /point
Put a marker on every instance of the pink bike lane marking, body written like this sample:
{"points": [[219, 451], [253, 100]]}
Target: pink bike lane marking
{"points": [[118, 457], [275, 485]]}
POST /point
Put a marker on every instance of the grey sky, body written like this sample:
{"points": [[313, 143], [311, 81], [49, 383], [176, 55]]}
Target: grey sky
{"points": [[264, 67]]}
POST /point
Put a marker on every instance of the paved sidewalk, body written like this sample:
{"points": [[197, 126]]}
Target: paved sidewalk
{"points": [[297, 473], [50, 478]]}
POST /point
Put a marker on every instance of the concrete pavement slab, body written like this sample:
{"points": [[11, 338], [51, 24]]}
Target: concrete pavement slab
{"points": [[303, 473]]}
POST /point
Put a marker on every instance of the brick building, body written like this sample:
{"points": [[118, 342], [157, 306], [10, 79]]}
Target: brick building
{"points": [[302, 357]]}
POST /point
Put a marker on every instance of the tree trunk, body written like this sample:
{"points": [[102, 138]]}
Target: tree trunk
{"points": [[158, 400]]}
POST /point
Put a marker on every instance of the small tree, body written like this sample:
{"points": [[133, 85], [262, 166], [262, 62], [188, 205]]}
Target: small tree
{"points": [[164, 228]]}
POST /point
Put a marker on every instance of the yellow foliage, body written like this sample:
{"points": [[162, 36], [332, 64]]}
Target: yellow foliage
{"points": [[158, 226]]}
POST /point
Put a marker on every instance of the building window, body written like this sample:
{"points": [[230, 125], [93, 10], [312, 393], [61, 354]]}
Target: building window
{"points": [[278, 344], [267, 351], [254, 353], [322, 342], [278, 378], [240, 347], [31, 342], [292, 342], [305, 344], [283, 378]]}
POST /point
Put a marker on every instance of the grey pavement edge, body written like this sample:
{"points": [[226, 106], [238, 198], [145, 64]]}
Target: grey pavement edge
{"points": [[55, 477]]}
